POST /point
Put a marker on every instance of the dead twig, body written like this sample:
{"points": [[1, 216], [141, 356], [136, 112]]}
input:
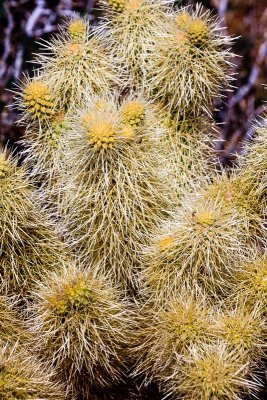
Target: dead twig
{"points": [[253, 76]]}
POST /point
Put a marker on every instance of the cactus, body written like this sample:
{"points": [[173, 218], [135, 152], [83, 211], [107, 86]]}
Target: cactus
{"points": [[188, 146], [78, 30], [212, 371], [11, 327], [43, 151], [29, 244], [118, 194], [253, 165], [167, 269], [188, 66], [243, 329], [117, 5], [36, 101], [132, 27], [134, 112], [81, 325], [251, 284], [22, 377], [170, 331], [200, 245], [235, 192], [79, 62]]}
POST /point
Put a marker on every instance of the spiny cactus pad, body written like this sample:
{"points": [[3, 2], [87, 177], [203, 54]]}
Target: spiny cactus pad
{"points": [[203, 240], [22, 377], [81, 325], [170, 331], [211, 372]]}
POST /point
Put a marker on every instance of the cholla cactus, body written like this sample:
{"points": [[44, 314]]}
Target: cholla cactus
{"points": [[11, 327], [169, 339], [45, 126], [189, 149], [29, 245], [82, 326], [251, 283], [118, 129], [118, 195], [212, 371], [189, 64], [253, 164], [243, 329], [236, 192], [43, 151], [200, 245], [75, 61], [22, 377], [132, 26], [169, 332]]}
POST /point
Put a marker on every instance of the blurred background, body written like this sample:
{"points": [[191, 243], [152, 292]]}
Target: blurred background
{"points": [[23, 22]]}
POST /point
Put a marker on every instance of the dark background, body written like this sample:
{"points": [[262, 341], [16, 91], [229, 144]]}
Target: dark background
{"points": [[22, 22]]}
